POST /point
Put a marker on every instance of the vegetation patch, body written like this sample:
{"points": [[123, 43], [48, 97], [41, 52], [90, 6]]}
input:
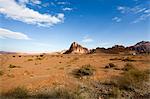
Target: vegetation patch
{"points": [[55, 93], [41, 55], [133, 83], [1, 72], [85, 70], [58, 93], [110, 65], [30, 59], [11, 75], [38, 58], [128, 59], [18, 92], [115, 58], [73, 60], [128, 66], [133, 78], [13, 66], [76, 58]]}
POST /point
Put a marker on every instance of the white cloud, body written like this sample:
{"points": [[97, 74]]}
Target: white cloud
{"points": [[117, 19], [67, 9], [140, 11], [36, 1], [133, 10], [147, 11], [63, 3], [4, 33], [21, 13], [122, 9], [87, 39], [47, 4], [141, 18], [24, 2]]}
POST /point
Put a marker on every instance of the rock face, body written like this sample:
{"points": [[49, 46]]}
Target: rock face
{"points": [[113, 50], [75, 48], [141, 47]]}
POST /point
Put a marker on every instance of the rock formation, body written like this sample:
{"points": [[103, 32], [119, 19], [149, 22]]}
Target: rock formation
{"points": [[75, 48], [141, 47], [113, 50]]}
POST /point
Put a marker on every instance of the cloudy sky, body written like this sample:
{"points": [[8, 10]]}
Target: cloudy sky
{"points": [[52, 25]]}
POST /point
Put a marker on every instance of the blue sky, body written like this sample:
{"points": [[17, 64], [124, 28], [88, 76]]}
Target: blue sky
{"points": [[52, 25]]}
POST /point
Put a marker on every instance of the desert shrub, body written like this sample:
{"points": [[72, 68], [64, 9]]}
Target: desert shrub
{"points": [[11, 75], [1, 72], [128, 66], [116, 68], [30, 59], [105, 90], [18, 92], [132, 84], [128, 59], [39, 58], [115, 93], [85, 70], [110, 65], [75, 58], [58, 93], [132, 79], [55, 93], [115, 58], [12, 66], [41, 55]]}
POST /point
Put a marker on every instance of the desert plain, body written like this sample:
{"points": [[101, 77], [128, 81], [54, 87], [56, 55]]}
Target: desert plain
{"points": [[47, 71]]}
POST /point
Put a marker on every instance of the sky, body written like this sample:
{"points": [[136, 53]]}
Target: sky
{"points": [[52, 25]]}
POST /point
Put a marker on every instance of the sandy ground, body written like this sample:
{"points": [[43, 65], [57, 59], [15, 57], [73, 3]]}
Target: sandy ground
{"points": [[35, 72]]}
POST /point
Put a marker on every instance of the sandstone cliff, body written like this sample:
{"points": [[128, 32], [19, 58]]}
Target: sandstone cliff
{"points": [[75, 48]]}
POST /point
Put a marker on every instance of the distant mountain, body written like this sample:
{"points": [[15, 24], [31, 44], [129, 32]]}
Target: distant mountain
{"points": [[5, 52], [113, 50], [75, 48], [141, 47]]}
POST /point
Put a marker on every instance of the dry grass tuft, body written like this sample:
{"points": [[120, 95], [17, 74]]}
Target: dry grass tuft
{"points": [[85, 70], [13, 66], [1, 72], [18, 92], [110, 65]]}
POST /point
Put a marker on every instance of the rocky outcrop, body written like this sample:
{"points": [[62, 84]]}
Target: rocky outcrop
{"points": [[113, 50], [75, 48], [141, 47]]}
